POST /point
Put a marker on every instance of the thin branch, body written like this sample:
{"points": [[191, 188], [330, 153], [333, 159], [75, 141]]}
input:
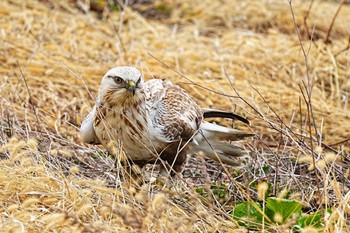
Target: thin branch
{"points": [[309, 79], [308, 100], [311, 144], [312, 115], [305, 19], [344, 49], [119, 31], [190, 80], [301, 116], [302, 47], [29, 94], [341, 142], [326, 40], [299, 141], [277, 156]]}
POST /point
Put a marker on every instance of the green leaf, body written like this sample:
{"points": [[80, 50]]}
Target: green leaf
{"points": [[266, 168], [248, 211], [314, 220], [201, 192], [285, 208], [219, 190]]}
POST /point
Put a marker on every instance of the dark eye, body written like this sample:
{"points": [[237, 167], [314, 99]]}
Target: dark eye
{"points": [[118, 80]]}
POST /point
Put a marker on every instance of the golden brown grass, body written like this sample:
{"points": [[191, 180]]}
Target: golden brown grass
{"points": [[53, 57]]}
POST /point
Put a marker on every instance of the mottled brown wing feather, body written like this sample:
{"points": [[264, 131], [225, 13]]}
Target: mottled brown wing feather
{"points": [[176, 115]]}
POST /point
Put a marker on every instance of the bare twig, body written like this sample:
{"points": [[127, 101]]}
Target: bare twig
{"points": [[341, 142], [311, 141], [326, 39], [78, 77], [344, 49], [119, 31], [190, 80], [301, 116], [305, 19], [40, 40], [277, 156], [299, 141], [306, 59], [29, 94], [308, 100]]}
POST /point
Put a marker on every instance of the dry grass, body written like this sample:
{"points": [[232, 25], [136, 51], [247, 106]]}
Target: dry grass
{"points": [[53, 57]]}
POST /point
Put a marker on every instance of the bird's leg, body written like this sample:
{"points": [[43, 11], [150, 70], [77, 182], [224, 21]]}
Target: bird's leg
{"points": [[174, 171], [128, 172], [163, 177], [172, 161], [164, 169], [131, 172]]}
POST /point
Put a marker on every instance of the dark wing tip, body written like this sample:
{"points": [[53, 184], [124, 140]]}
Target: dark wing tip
{"points": [[222, 114]]}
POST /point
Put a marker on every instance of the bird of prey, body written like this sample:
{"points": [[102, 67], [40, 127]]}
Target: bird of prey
{"points": [[157, 121]]}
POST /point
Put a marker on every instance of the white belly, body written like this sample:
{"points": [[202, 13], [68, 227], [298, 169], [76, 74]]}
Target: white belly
{"points": [[131, 131]]}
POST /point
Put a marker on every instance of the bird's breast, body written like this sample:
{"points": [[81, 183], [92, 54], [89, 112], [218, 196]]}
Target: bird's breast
{"points": [[128, 126]]}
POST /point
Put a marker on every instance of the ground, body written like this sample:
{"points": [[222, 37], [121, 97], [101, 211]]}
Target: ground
{"points": [[243, 56]]}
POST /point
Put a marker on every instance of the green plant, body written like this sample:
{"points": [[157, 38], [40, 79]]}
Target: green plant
{"points": [[276, 211], [314, 219]]}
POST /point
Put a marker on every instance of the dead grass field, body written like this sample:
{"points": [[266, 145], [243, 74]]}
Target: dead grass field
{"points": [[248, 58]]}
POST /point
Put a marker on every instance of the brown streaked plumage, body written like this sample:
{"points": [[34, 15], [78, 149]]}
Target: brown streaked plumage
{"points": [[156, 120]]}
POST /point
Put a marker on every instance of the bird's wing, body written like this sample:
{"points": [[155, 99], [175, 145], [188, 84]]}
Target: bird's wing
{"points": [[87, 131], [174, 114]]}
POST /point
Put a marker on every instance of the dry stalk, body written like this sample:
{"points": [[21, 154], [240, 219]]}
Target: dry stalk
{"points": [[29, 94], [305, 19], [344, 49], [326, 39], [307, 97], [119, 30], [190, 80]]}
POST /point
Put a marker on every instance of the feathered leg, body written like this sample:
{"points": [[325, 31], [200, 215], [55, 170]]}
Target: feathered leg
{"points": [[173, 157]]}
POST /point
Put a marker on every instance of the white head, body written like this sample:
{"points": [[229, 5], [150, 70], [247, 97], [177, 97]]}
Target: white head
{"points": [[121, 85]]}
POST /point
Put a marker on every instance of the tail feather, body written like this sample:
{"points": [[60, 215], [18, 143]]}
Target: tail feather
{"points": [[211, 141], [221, 152], [218, 132]]}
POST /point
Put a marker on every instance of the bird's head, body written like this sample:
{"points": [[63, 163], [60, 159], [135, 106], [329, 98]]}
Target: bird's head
{"points": [[121, 85]]}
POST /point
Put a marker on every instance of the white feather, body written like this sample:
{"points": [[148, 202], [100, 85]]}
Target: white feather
{"points": [[209, 140], [87, 130], [218, 132]]}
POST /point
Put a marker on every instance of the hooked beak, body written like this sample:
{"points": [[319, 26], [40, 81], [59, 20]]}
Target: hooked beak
{"points": [[132, 87]]}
